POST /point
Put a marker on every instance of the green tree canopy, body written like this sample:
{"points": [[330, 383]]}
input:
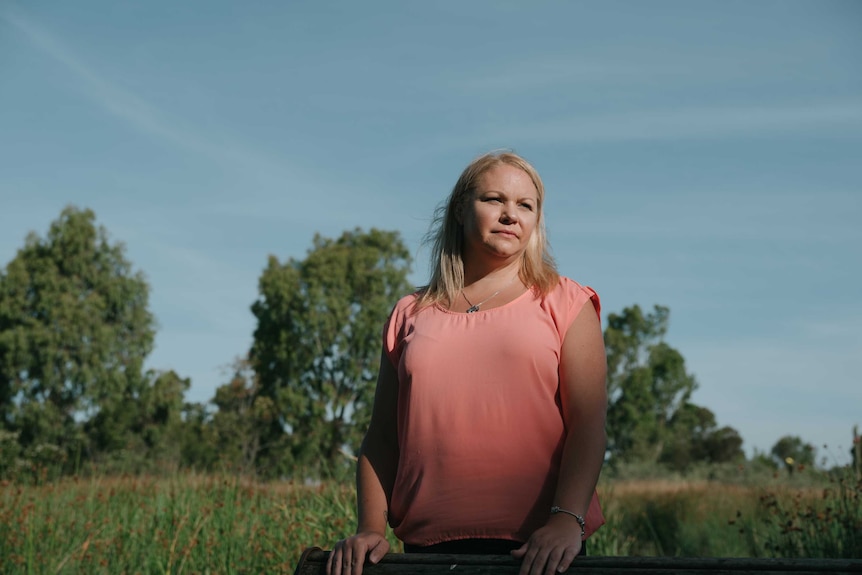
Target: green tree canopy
{"points": [[144, 425], [316, 348], [243, 417], [791, 450], [74, 330], [695, 437], [647, 383]]}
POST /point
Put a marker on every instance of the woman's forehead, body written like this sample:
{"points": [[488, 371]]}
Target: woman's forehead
{"points": [[507, 179]]}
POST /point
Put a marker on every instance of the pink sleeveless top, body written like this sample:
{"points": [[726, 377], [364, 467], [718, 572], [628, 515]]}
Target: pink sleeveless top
{"points": [[480, 429]]}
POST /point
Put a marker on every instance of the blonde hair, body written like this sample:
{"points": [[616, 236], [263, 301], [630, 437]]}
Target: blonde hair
{"points": [[538, 270]]}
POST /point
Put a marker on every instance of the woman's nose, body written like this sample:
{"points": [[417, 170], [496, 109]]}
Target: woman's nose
{"points": [[509, 214]]}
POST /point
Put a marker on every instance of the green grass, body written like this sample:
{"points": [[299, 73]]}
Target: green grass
{"points": [[185, 524], [674, 518], [825, 522], [190, 523], [816, 516]]}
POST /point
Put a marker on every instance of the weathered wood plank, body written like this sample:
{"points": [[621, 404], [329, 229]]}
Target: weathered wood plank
{"points": [[313, 562]]}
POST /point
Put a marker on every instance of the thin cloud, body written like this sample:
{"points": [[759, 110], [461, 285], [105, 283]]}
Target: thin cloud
{"points": [[822, 119], [817, 216], [691, 124], [576, 73], [839, 329], [530, 75], [137, 112]]}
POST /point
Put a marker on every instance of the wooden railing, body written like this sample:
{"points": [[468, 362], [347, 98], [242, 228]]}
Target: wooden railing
{"points": [[313, 562]]}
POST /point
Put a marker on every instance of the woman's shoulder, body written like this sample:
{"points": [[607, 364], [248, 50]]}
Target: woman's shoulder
{"points": [[572, 294], [403, 316], [567, 285], [408, 304]]}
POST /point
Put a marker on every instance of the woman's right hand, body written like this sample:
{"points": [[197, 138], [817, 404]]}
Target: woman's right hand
{"points": [[348, 556]]}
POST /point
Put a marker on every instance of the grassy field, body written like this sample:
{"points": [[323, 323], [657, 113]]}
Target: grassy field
{"points": [[223, 524]]}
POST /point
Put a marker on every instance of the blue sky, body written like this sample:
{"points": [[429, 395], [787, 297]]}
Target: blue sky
{"points": [[706, 156]]}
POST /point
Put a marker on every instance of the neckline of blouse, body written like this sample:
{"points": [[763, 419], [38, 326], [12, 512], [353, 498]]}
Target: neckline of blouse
{"points": [[481, 311]]}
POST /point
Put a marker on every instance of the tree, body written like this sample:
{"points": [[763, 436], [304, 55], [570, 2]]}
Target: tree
{"points": [[145, 425], [74, 331], [647, 383], [243, 418], [723, 445], [691, 425], [791, 451], [316, 347], [198, 442], [696, 438]]}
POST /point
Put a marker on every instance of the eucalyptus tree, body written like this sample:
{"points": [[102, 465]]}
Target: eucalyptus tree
{"points": [[696, 438], [316, 348], [74, 331], [648, 383]]}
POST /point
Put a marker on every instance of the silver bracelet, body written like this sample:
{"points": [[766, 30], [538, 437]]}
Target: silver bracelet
{"points": [[579, 518]]}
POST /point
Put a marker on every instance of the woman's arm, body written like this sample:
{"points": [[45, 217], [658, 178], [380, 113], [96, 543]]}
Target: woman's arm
{"points": [[583, 395], [375, 475]]}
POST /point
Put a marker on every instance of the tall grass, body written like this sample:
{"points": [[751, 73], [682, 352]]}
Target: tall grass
{"points": [[824, 522], [673, 518], [805, 516], [185, 524], [218, 524]]}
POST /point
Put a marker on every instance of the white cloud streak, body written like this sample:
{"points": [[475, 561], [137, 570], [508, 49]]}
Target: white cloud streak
{"points": [[575, 74], [139, 114], [690, 124]]}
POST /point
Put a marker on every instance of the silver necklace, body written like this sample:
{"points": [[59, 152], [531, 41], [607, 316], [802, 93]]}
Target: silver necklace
{"points": [[475, 308]]}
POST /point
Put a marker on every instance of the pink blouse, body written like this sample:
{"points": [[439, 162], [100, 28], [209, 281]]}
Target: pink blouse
{"points": [[480, 428]]}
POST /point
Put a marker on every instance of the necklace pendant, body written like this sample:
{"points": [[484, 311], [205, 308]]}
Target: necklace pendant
{"points": [[473, 309]]}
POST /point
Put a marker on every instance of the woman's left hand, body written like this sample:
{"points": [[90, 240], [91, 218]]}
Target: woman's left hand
{"points": [[552, 548]]}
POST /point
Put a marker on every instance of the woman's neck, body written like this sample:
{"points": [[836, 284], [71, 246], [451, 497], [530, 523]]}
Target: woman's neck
{"points": [[486, 273]]}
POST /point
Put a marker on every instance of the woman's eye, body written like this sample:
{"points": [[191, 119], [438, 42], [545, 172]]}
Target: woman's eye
{"points": [[527, 206]]}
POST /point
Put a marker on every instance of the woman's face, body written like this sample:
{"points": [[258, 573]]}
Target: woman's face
{"points": [[500, 217]]}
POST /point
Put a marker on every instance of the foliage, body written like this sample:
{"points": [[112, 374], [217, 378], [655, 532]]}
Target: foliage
{"points": [[145, 423], [763, 459], [810, 514], [650, 416], [198, 444], [822, 522], [647, 383], [242, 419], [316, 347], [221, 523], [182, 524], [791, 451], [695, 437], [74, 332], [676, 518]]}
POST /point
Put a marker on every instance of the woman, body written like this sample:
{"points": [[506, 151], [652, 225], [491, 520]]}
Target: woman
{"points": [[487, 433]]}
